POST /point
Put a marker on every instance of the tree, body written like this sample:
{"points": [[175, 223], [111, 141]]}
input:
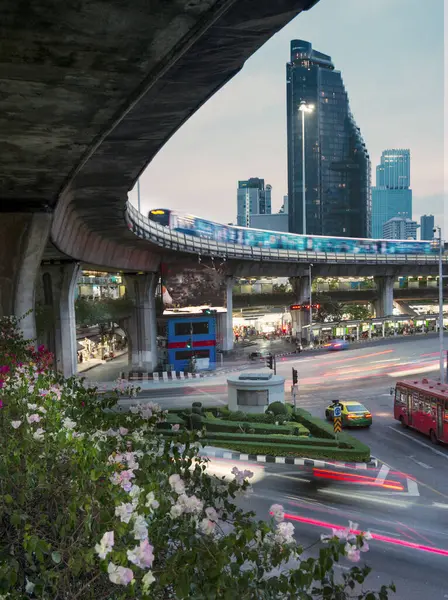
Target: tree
{"points": [[358, 312], [329, 309]]}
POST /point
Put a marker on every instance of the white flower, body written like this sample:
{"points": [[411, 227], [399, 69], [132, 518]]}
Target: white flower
{"points": [[140, 530], [190, 504], [353, 526], [120, 575], [142, 556], [352, 552], [39, 434], [135, 491], [68, 423], [124, 511], [278, 512], [147, 580], [35, 418], [29, 588], [240, 476], [207, 526], [41, 409], [151, 501], [176, 511], [176, 483], [123, 430], [106, 544], [364, 546], [284, 533], [367, 535], [211, 514], [175, 427], [32, 406], [16, 424]]}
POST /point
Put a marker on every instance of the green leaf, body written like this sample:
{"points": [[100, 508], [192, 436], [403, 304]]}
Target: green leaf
{"points": [[8, 499], [56, 557]]}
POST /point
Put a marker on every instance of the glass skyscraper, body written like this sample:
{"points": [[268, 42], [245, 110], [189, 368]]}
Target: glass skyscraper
{"points": [[337, 173], [253, 198], [392, 196], [427, 227]]}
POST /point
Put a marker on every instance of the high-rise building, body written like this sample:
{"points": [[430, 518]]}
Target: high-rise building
{"points": [[337, 164], [399, 228], [426, 227], [392, 196], [252, 198]]}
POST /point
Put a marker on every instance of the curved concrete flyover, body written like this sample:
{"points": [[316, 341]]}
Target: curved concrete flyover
{"points": [[245, 261], [91, 91]]}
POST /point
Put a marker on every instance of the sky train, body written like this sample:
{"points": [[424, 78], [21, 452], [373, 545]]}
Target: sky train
{"points": [[230, 234]]}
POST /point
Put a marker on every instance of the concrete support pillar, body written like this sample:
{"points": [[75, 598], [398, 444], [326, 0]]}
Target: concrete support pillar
{"points": [[299, 318], [384, 305], [141, 327], [22, 242], [58, 284], [357, 333], [228, 336], [383, 329]]}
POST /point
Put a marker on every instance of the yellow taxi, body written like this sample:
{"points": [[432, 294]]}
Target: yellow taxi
{"points": [[354, 414]]}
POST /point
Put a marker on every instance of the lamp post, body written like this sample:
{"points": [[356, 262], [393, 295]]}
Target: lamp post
{"points": [[304, 108], [138, 195], [311, 301], [441, 358]]}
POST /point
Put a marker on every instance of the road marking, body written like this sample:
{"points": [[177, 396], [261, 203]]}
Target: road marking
{"points": [[351, 495], [439, 505], [422, 464], [382, 475], [284, 476], [375, 362], [419, 442]]}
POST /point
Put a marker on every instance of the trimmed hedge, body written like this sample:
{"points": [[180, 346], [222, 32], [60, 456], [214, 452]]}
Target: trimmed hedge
{"points": [[323, 429], [171, 419], [302, 429], [305, 450], [235, 426], [277, 439]]}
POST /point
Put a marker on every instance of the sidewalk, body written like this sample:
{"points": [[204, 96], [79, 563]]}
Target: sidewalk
{"points": [[96, 362]]}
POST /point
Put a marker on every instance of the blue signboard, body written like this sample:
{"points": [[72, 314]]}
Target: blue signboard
{"points": [[337, 410]]}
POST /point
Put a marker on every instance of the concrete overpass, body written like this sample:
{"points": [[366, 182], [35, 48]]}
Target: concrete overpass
{"points": [[89, 93]]}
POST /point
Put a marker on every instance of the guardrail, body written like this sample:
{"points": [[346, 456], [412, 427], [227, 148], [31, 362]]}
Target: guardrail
{"points": [[173, 240]]}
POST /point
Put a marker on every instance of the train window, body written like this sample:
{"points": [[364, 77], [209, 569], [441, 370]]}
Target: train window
{"points": [[187, 328], [188, 354]]}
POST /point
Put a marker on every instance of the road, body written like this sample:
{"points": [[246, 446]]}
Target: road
{"points": [[404, 502]]}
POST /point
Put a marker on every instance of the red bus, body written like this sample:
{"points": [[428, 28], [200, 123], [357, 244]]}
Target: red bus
{"points": [[423, 405]]}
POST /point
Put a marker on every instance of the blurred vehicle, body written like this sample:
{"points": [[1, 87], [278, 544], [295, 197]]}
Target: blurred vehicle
{"points": [[353, 414], [337, 345], [423, 405], [256, 356]]}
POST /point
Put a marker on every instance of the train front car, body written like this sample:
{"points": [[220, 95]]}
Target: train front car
{"points": [[161, 216]]}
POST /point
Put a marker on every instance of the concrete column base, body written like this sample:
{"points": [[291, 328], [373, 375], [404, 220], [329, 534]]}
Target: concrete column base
{"points": [[384, 305], [23, 238], [57, 297], [141, 327]]}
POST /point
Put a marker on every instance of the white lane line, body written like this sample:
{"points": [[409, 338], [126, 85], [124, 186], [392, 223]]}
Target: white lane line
{"points": [[410, 437], [412, 487], [382, 475], [422, 464], [439, 505], [376, 499]]}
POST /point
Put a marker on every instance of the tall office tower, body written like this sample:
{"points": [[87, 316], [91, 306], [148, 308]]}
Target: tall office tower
{"points": [[426, 227], [337, 164], [392, 196], [253, 198]]}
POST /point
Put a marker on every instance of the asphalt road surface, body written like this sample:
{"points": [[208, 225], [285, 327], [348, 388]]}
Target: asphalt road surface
{"points": [[404, 502]]}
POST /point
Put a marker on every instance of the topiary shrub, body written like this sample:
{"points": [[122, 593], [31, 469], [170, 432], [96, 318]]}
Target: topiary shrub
{"points": [[196, 421], [278, 408], [197, 404], [197, 410]]}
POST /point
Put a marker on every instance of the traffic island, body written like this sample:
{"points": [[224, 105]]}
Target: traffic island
{"points": [[278, 433]]}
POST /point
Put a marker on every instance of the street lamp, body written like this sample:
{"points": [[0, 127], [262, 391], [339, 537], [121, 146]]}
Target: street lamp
{"points": [[304, 108], [311, 301], [440, 246]]}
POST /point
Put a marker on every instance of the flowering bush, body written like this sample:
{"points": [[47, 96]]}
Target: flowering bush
{"points": [[95, 504]]}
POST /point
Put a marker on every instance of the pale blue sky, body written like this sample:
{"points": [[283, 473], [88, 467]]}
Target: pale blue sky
{"points": [[391, 55]]}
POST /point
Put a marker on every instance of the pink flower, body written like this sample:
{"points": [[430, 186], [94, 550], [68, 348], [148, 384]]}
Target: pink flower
{"points": [[5, 369], [106, 544], [142, 556], [1, 403], [120, 575], [278, 512], [35, 418]]}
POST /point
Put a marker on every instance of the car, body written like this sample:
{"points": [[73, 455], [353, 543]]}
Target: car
{"points": [[337, 345], [354, 414], [256, 356]]}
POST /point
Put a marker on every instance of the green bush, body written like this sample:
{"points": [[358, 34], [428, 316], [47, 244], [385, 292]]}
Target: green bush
{"points": [[271, 439], [256, 418], [320, 428], [297, 450], [235, 426], [197, 404], [171, 419], [277, 408], [298, 427]]}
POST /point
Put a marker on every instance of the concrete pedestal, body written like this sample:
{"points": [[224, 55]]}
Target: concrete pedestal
{"points": [[253, 392]]}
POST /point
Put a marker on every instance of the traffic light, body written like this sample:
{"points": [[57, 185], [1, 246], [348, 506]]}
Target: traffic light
{"points": [[270, 361], [209, 311], [189, 344], [295, 377]]}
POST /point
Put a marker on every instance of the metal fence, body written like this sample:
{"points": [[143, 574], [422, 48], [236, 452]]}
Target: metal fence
{"points": [[173, 240]]}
